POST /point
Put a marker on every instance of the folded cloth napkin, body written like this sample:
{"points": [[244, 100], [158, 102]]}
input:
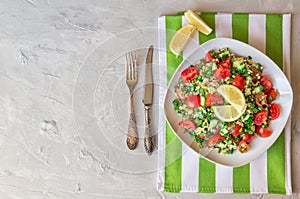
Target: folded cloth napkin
{"points": [[183, 170]]}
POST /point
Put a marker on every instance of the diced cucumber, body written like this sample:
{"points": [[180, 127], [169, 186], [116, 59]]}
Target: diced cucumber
{"points": [[224, 132], [239, 63], [258, 89], [212, 124]]}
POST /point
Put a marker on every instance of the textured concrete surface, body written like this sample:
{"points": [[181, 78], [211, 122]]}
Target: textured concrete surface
{"points": [[56, 76]]}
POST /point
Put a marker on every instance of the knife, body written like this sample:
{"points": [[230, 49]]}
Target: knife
{"points": [[149, 140]]}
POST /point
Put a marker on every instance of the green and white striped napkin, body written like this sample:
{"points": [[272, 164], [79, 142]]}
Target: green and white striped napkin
{"points": [[188, 172]]}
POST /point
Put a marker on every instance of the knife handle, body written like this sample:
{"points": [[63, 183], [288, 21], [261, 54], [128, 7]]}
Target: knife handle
{"points": [[132, 136], [149, 140]]}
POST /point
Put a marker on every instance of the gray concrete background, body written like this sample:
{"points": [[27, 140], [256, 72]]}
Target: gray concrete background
{"points": [[47, 144]]}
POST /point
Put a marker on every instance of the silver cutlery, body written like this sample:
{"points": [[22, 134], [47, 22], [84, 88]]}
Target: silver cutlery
{"points": [[149, 140], [131, 80]]}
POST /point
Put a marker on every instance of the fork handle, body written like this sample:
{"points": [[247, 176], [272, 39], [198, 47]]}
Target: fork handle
{"points": [[132, 136], [149, 140]]}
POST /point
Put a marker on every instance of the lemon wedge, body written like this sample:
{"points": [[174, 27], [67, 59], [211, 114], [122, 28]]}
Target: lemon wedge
{"points": [[235, 98], [181, 38], [194, 19]]}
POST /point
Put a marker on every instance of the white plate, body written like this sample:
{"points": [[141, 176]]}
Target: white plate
{"points": [[259, 145]]}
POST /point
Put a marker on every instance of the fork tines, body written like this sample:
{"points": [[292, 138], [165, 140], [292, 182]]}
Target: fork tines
{"points": [[131, 66]]}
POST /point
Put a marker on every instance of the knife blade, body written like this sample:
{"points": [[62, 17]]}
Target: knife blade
{"points": [[149, 139], [148, 88]]}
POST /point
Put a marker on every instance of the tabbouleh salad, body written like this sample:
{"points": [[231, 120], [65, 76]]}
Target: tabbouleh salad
{"points": [[197, 96]]}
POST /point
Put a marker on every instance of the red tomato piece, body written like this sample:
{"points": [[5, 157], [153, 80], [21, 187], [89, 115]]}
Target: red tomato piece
{"points": [[239, 81], [260, 117], [213, 140], [193, 101], [214, 99], [272, 95], [248, 137], [243, 146], [235, 131], [201, 136], [274, 111], [210, 55], [226, 63], [188, 124], [221, 72], [189, 74], [260, 99], [263, 132], [266, 83]]}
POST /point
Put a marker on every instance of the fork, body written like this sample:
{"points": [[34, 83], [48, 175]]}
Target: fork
{"points": [[131, 80]]}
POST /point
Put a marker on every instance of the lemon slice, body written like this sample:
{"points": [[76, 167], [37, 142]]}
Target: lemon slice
{"points": [[181, 38], [226, 113], [194, 19], [235, 98]]}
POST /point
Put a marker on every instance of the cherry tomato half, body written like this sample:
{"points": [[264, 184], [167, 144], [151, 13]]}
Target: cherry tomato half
{"points": [[272, 95], [274, 111], [235, 131], [243, 147], [248, 137], [193, 101], [266, 83], [188, 124], [260, 99], [226, 63], [221, 72], [210, 55], [213, 140], [214, 99], [239, 81], [263, 132], [189, 74], [260, 117]]}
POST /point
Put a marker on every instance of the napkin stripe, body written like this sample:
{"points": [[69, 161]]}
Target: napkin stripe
{"points": [[286, 27], [223, 21], [224, 179], [257, 31], [190, 159], [207, 170], [240, 27], [173, 167], [258, 177], [241, 175], [161, 141], [276, 153], [207, 176]]}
